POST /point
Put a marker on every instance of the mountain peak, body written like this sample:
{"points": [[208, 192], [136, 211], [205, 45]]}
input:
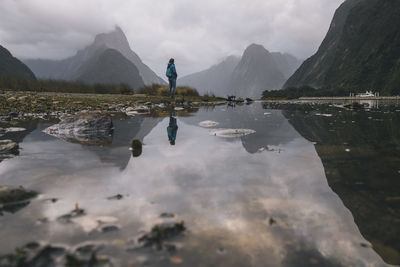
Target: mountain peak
{"points": [[256, 47], [115, 39], [255, 50]]}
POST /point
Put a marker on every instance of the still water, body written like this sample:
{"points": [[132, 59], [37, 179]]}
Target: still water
{"points": [[314, 185]]}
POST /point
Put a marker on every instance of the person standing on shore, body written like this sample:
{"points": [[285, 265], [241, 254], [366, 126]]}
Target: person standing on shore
{"points": [[172, 75]]}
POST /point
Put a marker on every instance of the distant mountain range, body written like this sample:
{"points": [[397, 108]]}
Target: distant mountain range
{"points": [[215, 80], [360, 51], [109, 59], [10, 65], [247, 76]]}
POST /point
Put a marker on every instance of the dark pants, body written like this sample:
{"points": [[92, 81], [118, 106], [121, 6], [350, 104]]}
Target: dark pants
{"points": [[172, 86]]}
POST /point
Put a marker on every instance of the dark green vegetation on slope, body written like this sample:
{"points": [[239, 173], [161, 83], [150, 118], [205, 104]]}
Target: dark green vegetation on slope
{"points": [[361, 50], [304, 91], [10, 65], [366, 176], [8, 82]]}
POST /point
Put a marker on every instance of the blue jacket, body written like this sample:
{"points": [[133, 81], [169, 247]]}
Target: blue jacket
{"points": [[173, 70], [172, 129]]}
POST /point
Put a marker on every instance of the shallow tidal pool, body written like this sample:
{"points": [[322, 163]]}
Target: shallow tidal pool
{"points": [[296, 185]]}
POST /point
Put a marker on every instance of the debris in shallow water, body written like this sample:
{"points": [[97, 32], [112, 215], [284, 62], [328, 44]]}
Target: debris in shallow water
{"points": [[42, 220], [270, 149], [52, 200], [267, 113], [131, 113], [66, 218], [89, 222], [272, 221], [161, 232], [167, 215], [324, 115], [109, 228], [171, 248], [347, 150], [11, 130], [116, 197], [8, 149], [364, 245], [208, 124], [10, 194], [232, 133], [176, 260], [221, 251], [136, 148]]}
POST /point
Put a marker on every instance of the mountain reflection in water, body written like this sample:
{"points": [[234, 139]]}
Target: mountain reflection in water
{"points": [[360, 151], [243, 202]]}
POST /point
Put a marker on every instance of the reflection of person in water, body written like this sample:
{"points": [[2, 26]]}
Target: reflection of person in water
{"points": [[172, 128]]}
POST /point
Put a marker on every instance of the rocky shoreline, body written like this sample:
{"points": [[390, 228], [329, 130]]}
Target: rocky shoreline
{"points": [[20, 106]]}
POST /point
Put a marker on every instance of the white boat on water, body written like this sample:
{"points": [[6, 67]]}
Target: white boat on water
{"points": [[366, 94]]}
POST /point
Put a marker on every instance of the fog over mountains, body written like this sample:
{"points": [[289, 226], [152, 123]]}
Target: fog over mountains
{"points": [[108, 53], [247, 76]]}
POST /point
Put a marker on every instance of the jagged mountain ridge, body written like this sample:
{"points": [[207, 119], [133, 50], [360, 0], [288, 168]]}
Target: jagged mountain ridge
{"points": [[9, 65], [257, 70], [68, 69], [360, 51]]}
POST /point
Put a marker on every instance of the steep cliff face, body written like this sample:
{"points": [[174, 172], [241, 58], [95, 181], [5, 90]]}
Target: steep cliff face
{"points": [[10, 65], [361, 50]]}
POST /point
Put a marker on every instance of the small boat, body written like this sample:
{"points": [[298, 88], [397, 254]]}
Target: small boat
{"points": [[366, 94]]}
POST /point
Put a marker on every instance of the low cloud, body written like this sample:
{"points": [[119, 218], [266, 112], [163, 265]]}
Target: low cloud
{"points": [[196, 34]]}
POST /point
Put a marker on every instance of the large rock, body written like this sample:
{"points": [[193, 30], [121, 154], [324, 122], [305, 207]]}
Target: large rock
{"points": [[8, 146], [11, 194], [92, 128], [8, 149]]}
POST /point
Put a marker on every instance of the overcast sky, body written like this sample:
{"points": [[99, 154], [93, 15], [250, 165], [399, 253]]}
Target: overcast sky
{"points": [[196, 33]]}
